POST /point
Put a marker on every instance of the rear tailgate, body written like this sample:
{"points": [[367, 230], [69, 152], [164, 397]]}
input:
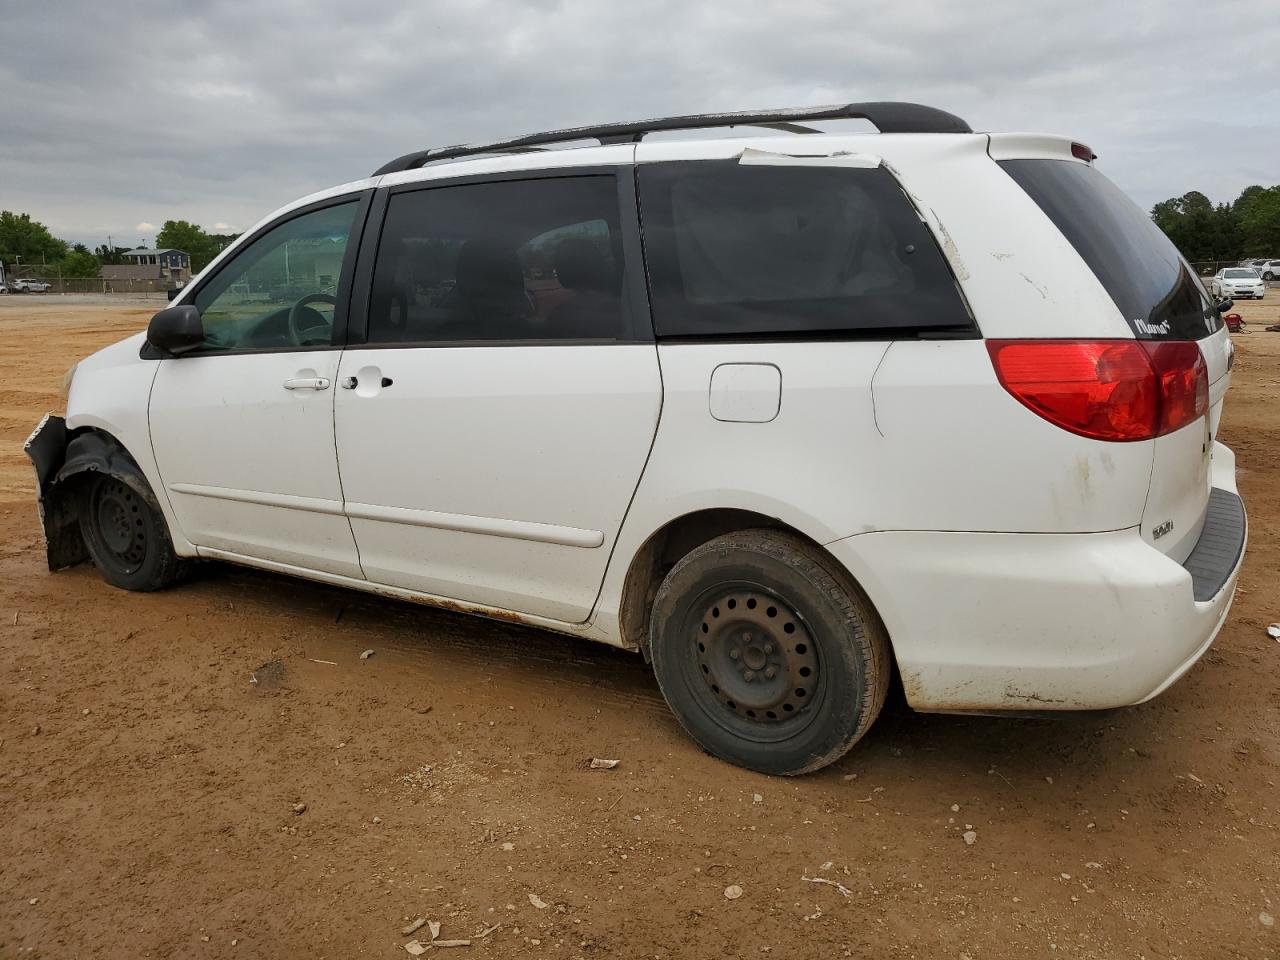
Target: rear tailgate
{"points": [[1160, 298], [1175, 511]]}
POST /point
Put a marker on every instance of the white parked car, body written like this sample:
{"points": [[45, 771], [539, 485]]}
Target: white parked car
{"points": [[1270, 269], [30, 285], [796, 417], [1238, 282]]}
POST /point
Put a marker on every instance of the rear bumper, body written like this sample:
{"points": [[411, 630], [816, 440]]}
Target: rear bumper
{"points": [[996, 621]]}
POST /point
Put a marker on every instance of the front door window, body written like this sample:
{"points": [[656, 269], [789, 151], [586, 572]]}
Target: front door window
{"points": [[281, 291]]}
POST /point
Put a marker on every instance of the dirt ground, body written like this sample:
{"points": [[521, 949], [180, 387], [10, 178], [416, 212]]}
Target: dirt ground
{"points": [[148, 788]]}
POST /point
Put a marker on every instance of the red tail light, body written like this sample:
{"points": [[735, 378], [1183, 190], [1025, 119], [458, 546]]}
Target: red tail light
{"points": [[1106, 389]]}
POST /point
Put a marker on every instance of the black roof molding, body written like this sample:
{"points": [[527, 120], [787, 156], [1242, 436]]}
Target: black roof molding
{"points": [[887, 117]]}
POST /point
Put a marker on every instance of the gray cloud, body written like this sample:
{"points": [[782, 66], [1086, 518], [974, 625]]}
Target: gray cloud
{"points": [[221, 110]]}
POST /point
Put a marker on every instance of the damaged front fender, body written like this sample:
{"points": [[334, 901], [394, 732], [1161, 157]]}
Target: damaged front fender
{"points": [[63, 461]]}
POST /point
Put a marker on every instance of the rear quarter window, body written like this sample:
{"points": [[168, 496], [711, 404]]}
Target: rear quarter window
{"points": [[1139, 266], [761, 251]]}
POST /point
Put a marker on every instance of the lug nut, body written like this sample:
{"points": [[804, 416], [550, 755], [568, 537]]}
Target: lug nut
{"points": [[748, 675], [771, 672], [768, 648], [734, 653]]}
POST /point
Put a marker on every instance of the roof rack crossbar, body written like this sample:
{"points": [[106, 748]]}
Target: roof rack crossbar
{"points": [[887, 117]]}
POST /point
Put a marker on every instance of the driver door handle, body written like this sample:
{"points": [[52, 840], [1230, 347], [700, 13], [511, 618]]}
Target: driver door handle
{"points": [[307, 383]]}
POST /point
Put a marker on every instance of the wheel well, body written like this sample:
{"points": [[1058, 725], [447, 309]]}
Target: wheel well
{"points": [[88, 451], [664, 549]]}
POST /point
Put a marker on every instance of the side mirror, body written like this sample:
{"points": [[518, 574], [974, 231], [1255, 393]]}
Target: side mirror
{"points": [[176, 330], [1225, 305]]}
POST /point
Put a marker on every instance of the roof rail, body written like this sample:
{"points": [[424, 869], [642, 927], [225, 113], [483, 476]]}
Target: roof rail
{"points": [[887, 117]]}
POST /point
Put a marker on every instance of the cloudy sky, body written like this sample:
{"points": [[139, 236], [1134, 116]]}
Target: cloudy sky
{"points": [[118, 116]]}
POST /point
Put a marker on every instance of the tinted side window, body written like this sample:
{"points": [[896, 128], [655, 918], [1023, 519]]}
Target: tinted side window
{"points": [[281, 290], [736, 249], [1139, 266], [514, 260]]}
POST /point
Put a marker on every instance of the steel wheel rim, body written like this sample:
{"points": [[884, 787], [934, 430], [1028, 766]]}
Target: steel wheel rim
{"points": [[121, 523], [756, 662]]}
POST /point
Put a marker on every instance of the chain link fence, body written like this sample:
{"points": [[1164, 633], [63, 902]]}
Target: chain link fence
{"points": [[147, 289]]}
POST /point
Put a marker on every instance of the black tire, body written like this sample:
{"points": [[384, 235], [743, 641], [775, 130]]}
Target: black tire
{"points": [[126, 536], [768, 653]]}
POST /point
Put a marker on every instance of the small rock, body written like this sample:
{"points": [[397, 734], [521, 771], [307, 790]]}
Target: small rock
{"points": [[955, 808], [268, 676], [1273, 631], [598, 764], [1094, 865], [414, 948], [451, 943], [1266, 919], [537, 901], [1065, 876], [377, 819], [433, 927], [299, 809], [508, 846], [86, 711], [366, 655], [756, 798], [35, 731], [970, 837], [732, 892], [414, 927], [33, 901]]}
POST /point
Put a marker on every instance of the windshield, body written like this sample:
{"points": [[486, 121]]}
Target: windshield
{"points": [[1242, 274]]}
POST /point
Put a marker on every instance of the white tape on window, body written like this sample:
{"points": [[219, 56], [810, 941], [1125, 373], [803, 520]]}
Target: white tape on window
{"points": [[767, 158]]}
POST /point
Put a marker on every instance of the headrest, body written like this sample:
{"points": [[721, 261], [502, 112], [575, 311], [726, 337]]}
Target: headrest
{"points": [[488, 268], [580, 264]]}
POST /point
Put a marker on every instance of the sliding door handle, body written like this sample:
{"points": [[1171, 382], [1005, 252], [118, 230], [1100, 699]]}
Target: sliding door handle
{"points": [[307, 383]]}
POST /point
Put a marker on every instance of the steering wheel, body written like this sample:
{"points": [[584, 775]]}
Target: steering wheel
{"points": [[295, 314]]}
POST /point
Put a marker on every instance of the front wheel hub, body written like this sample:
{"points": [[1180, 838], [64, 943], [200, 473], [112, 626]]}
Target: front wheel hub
{"points": [[118, 514], [756, 656]]}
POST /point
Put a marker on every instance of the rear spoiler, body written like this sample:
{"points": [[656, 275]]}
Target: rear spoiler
{"points": [[1037, 146]]}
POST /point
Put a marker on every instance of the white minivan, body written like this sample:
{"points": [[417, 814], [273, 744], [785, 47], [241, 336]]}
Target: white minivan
{"points": [[795, 416]]}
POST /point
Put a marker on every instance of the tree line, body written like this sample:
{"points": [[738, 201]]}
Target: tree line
{"points": [[1202, 230], [30, 245]]}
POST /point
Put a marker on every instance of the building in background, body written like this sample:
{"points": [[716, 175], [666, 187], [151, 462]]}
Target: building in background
{"points": [[171, 265]]}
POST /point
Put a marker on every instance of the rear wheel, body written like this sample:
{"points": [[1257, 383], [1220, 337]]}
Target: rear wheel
{"points": [[126, 537], [768, 654]]}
